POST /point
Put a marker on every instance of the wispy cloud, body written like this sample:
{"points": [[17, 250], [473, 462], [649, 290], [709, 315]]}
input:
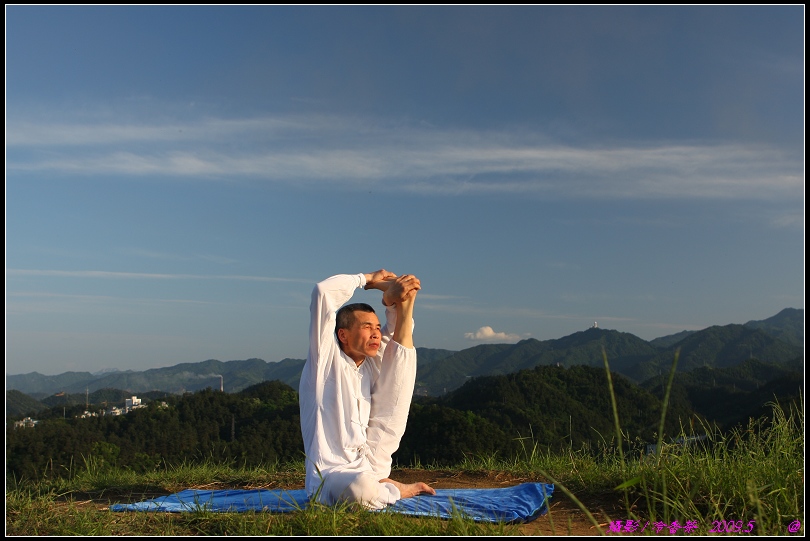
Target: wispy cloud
{"points": [[38, 302], [351, 152], [435, 297], [94, 298], [77, 134], [146, 276], [792, 220], [152, 254], [47, 303]]}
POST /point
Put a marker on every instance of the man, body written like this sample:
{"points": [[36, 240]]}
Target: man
{"points": [[356, 390]]}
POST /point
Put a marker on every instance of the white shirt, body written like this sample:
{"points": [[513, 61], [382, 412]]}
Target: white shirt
{"points": [[352, 418]]}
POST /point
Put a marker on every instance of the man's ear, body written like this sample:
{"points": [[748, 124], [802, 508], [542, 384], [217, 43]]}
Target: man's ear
{"points": [[342, 336]]}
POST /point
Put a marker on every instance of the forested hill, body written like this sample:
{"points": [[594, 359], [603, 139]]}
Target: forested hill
{"points": [[787, 326], [626, 354], [440, 371], [554, 406], [547, 407], [18, 404], [721, 347], [732, 394], [261, 424], [232, 375], [624, 351]]}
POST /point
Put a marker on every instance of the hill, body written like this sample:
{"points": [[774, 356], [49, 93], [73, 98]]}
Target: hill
{"points": [[545, 408], [787, 326], [549, 406], [39, 386], [731, 395], [665, 342], [232, 376], [719, 347], [553, 407], [627, 354], [581, 348], [20, 405]]}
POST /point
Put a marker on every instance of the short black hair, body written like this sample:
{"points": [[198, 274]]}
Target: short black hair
{"points": [[345, 316]]}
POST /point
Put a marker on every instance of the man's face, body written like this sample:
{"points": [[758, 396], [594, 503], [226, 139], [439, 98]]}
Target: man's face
{"points": [[362, 339]]}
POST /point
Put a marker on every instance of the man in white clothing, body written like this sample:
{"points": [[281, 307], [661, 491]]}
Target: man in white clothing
{"points": [[356, 390]]}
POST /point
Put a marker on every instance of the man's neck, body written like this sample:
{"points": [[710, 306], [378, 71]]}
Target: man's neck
{"points": [[356, 362]]}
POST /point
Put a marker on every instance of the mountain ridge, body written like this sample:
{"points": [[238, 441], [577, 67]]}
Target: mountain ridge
{"points": [[443, 370]]}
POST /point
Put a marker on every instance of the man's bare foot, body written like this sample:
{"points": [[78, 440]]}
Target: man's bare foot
{"points": [[409, 491]]}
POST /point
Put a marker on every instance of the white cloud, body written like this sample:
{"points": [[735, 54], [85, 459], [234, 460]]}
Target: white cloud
{"points": [[488, 334]]}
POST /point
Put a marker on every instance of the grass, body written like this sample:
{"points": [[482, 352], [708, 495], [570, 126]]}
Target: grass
{"points": [[64, 509], [751, 479]]}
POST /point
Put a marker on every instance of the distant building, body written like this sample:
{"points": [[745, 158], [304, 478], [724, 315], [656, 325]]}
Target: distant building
{"points": [[26, 423], [131, 404]]}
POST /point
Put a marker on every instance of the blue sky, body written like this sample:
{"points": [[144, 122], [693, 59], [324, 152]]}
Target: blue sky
{"points": [[178, 178]]}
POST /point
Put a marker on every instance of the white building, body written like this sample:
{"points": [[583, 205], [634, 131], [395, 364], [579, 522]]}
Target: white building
{"points": [[132, 403], [26, 423]]}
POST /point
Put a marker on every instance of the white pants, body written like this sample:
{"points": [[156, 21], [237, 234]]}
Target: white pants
{"points": [[361, 487]]}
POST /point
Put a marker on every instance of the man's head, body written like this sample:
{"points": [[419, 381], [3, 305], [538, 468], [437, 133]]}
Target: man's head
{"points": [[358, 331]]}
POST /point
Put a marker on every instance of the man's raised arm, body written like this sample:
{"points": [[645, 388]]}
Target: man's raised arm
{"points": [[400, 292], [389, 408], [379, 279]]}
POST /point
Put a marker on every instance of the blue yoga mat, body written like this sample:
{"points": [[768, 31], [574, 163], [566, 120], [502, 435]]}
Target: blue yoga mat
{"points": [[521, 503]]}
